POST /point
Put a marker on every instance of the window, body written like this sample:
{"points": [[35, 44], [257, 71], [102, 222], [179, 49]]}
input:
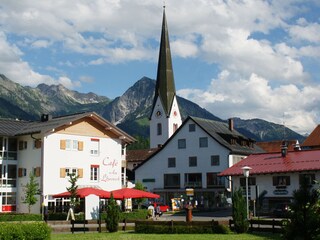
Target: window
{"points": [[94, 147], [159, 129], [281, 181], [251, 181], [171, 180], [171, 162], [192, 127], [175, 127], [214, 181], [65, 172], [22, 172], [215, 160], [203, 142], [192, 161], [23, 145], [193, 180], [94, 173], [309, 178], [181, 143], [73, 145]]}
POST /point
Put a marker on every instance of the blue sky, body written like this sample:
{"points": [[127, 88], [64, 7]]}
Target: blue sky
{"points": [[240, 58]]}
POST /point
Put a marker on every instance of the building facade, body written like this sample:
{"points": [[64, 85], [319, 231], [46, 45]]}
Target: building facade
{"points": [[52, 149], [192, 159], [274, 176]]}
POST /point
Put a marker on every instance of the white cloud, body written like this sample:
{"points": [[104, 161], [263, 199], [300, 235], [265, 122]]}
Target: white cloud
{"points": [[228, 96], [86, 79]]}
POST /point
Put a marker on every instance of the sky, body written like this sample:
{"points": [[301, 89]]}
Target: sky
{"points": [[235, 58]]}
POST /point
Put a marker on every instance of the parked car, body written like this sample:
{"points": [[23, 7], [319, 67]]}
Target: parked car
{"points": [[281, 210], [163, 207]]}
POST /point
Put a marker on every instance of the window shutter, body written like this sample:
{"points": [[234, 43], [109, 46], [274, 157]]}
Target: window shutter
{"points": [[63, 144], [80, 146], [80, 172], [38, 143], [20, 170], [37, 171], [62, 172]]}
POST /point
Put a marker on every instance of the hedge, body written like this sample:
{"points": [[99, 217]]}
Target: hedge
{"points": [[7, 217], [175, 227], [25, 231]]}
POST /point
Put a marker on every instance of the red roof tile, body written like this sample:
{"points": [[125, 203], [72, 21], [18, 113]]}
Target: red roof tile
{"points": [[275, 146], [274, 163], [313, 139]]}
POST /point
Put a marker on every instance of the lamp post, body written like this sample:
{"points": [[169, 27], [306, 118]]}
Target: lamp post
{"points": [[246, 171]]}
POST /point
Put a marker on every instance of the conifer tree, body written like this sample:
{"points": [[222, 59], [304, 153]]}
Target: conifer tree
{"points": [[239, 212], [73, 178], [113, 215]]}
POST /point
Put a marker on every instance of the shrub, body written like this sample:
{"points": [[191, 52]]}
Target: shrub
{"points": [[27, 231]]}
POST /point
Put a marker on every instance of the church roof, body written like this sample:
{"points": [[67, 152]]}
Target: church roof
{"points": [[165, 87]]}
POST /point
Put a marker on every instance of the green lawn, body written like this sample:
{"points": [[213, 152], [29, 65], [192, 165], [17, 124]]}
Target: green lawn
{"points": [[135, 236]]}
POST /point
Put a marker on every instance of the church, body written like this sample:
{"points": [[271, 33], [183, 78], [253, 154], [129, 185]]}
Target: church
{"points": [[191, 153]]}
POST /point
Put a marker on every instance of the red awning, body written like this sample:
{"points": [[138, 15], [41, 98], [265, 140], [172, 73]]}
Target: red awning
{"points": [[83, 192], [133, 193]]}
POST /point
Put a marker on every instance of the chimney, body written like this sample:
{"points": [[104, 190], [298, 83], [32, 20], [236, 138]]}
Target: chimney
{"points": [[231, 125], [46, 117], [284, 149], [296, 147]]}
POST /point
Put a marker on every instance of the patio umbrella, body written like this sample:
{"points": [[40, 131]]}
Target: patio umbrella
{"points": [[133, 193], [83, 192]]}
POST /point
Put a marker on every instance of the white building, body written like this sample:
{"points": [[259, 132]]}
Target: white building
{"points": [[192, 158], [274, 176], [85, 144]]}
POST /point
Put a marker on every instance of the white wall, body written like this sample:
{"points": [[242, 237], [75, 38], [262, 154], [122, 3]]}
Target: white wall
{"points": [[109, 161], [265, 182], [156, 167]]}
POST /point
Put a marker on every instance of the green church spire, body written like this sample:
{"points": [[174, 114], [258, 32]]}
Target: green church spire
{"points": [[165, 87]]}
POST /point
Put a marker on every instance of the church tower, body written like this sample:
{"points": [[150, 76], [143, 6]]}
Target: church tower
{"points": [[165, 116]]}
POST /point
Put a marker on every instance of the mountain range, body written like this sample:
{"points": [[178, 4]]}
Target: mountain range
{"points": [[130, 112]]}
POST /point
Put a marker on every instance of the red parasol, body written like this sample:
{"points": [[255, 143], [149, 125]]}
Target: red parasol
{"points": [[83, 192], [133, 193]]}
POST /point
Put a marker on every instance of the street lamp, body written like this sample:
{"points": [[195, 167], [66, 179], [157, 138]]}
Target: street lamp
{"points": [[246, 171]]}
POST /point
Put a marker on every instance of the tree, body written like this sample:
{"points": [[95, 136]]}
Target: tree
{"points": [[239, 212], [113, 215], [73, 178], [139, 201], [31, 190], [304, 220]]}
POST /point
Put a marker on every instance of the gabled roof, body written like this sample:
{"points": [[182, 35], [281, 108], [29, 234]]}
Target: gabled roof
{"points": [[267, 163], [275, 146], [18, 128], [220, 132], [165, 87], [140, 155], [313, 140], [9, 127]]}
